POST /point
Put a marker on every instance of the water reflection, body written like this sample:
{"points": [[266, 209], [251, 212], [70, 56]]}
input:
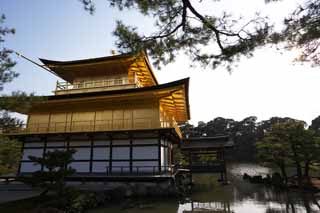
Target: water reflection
{"points": [[238, 197], [205, 207]]}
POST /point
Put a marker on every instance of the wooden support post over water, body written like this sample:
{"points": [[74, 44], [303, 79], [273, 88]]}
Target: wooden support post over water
{"points": [[195, 147], [225, 168], [221, 176]]}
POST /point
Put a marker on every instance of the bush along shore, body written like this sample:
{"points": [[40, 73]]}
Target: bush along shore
{"points": [[60, 196], [85, 196]]}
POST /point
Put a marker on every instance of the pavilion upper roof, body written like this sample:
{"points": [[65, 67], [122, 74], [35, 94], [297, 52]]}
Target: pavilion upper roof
{"points": [[133, 64]]}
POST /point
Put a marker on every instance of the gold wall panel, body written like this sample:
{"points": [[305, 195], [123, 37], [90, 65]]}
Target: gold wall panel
{"points": [[58, 122], [115, 117], [43, 119]]}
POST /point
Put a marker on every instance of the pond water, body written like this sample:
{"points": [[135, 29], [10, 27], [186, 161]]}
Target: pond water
{"points": [[238, 197]]}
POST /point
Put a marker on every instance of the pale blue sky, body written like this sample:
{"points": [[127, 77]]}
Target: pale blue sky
{"points": [[266, 85]]}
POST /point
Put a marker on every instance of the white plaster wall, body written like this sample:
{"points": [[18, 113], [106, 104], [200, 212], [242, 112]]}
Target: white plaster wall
{"points": [[81, 154], [101, 153], [145, 166], [52, 149], [121, 142], [32, 152], [80, 166], [54, 144], [29, 167], [116, 166], [102, 143], [147, 152], [100, 167], [162, 157], [120, 153]]}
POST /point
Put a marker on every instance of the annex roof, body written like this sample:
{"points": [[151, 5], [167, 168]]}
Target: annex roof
{"points": [[207, 143]]}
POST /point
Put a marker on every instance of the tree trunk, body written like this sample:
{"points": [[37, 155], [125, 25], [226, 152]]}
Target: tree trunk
{"points": [[284, 174], [306, 169], [307, 173], [299, 174], [298, 166]]}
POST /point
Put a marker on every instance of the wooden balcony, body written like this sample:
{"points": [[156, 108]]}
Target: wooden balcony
{"points": [[94, 86], [94, 126]]}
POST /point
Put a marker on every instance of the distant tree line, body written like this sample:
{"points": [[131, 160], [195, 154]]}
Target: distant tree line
{"points": [[245, 133]]}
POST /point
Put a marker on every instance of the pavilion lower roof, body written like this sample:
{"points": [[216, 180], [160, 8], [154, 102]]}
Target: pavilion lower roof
{"points": [[173, 98]]}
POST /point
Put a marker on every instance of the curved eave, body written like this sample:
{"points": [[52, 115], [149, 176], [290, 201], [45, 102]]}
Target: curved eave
{"points": [[150, 69], [85, 61], [68, 70]]}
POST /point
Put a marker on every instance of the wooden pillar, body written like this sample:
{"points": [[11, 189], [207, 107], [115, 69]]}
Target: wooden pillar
{"points": [[68, 145], [131, 154], [110, 155], [171, 154], [159, 152], [225, 167], [67, 142], [44, 149], [221, 165], [190, 159], [91, 152]]}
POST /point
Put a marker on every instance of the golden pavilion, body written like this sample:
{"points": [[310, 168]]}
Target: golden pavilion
{"points": [[112, 111]]}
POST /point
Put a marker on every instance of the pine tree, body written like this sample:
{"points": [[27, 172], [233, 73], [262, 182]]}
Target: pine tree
{"points": [[9, 149], [181, 27]]}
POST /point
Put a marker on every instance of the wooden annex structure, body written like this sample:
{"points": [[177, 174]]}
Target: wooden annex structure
{"points": [[113, 112], [207, 146]]}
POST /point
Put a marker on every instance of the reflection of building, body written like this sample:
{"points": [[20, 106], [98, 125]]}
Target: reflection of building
{"points": [[209, 207], [112, 111]]}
